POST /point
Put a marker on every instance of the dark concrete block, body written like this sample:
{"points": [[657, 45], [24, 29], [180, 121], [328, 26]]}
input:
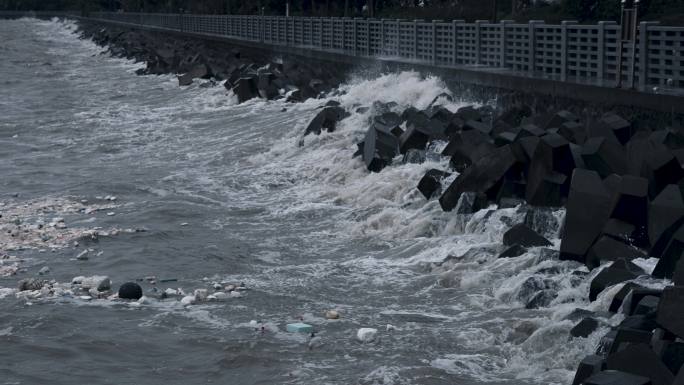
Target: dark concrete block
{"points": [[471, 202], [667, 262], [440, 113], [245, 88], [589, 366], [678, 275], [679, 380], [528, 145], [621, 128], [388, 120], [673, 356], [612, 183], [584, 328], [559, 118], [530, 130], [551, 161], [599, 129], [625, 336], [550, 191], [619, 271], [430, 184], [620, 296], [265, 86], [573, 132], [619, 230], [483, 176], [380, 147], [604, 156], [469, 113], [646, 305], [477, 125], [635, 296], [631, 201], [504, 138], [327, 119], [661, 168], [671, 310], [664, 211], [415, 136], [513, 116], [587, 209], [466, 148], [562, 158], [524, 236], [674, 140], [640, 360], [610, 249], [615, 377], [397, 131], [646, 322]]}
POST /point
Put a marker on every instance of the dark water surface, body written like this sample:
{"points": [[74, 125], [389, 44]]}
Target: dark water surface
{"points": [[225, 194]]}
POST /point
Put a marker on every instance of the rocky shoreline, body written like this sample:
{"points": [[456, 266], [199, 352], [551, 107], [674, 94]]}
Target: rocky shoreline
{"points": [[622, 190], [249, 73], [620, 183]]}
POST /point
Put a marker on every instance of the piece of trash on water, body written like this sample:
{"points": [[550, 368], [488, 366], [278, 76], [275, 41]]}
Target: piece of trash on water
{"points": [[366, 334], [299, 327], [332, 314], [82, 256]]}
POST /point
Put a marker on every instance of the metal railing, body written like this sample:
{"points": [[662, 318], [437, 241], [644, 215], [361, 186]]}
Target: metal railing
{"points": [[566, 52]]}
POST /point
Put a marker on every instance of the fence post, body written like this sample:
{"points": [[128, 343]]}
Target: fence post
{"points": [[533, 44], [643, 53], [564, 48], [502, 59], [478, 40]]}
